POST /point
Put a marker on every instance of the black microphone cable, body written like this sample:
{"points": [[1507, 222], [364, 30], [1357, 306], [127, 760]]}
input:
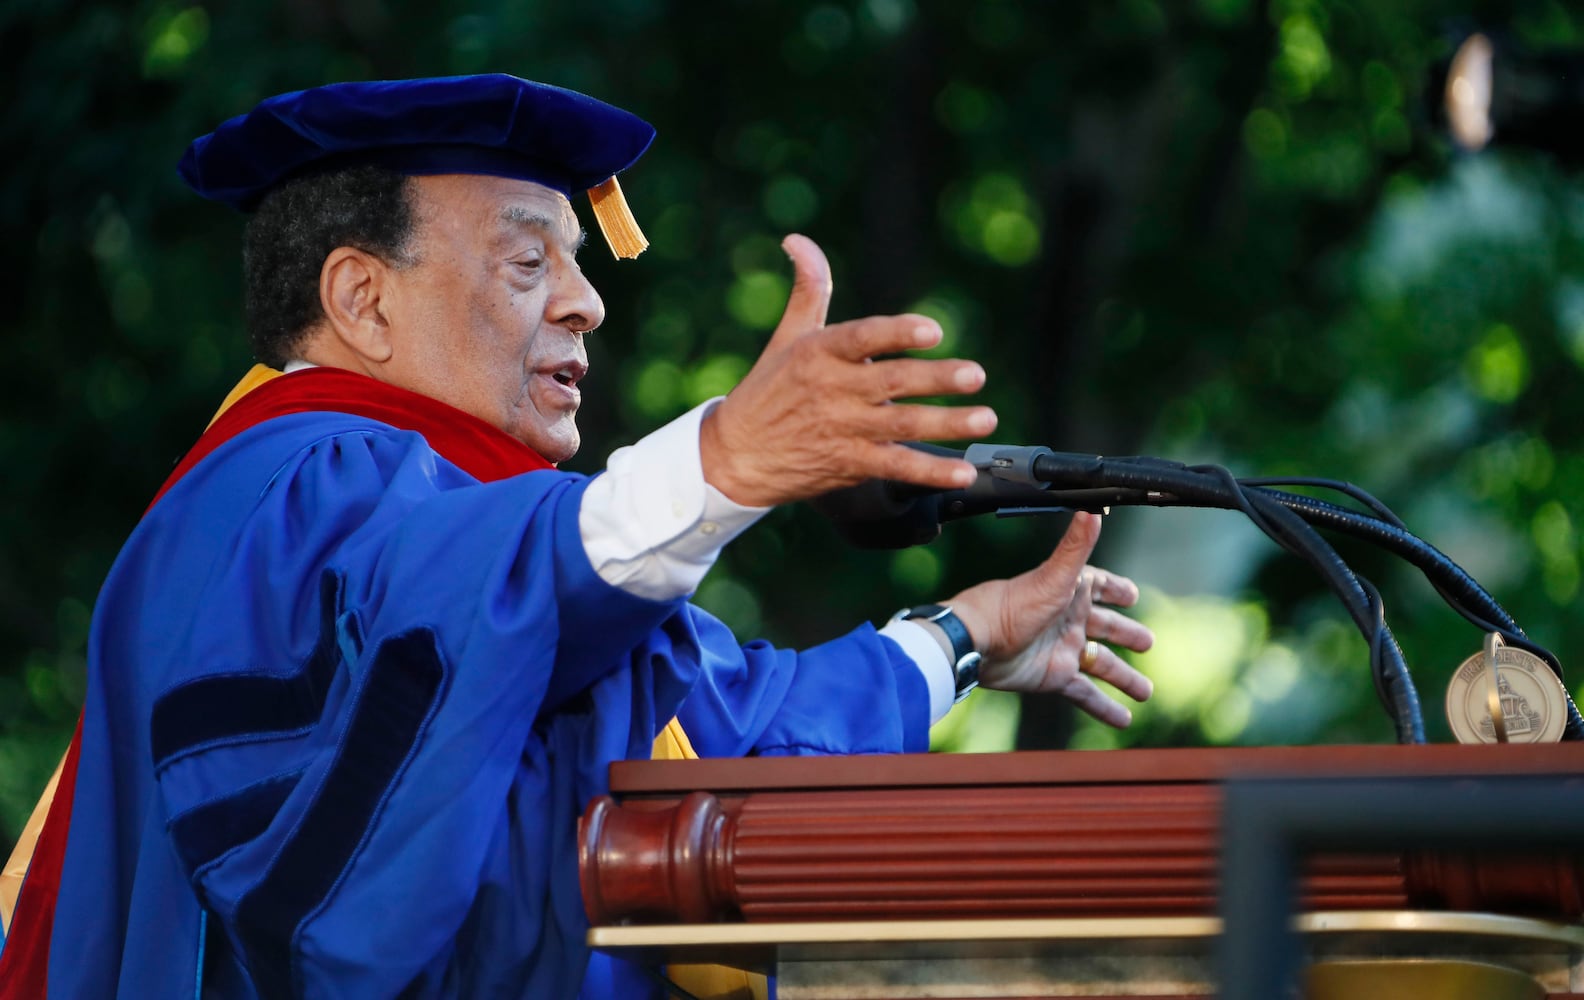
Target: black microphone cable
{"points": [[1165, 483], [1384, 529], [1154, 482], [1461, 591], [1018, 480], [1388, 668]]}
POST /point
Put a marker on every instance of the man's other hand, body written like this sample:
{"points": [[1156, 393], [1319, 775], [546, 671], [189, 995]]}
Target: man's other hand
{"points": [[1051, 629], [818, 412]]}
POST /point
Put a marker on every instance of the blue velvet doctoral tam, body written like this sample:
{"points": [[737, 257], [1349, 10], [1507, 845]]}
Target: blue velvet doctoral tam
{"points": [[345, 706], [492, 124]]}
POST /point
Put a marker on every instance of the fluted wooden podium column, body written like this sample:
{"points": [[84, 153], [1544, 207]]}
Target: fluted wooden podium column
{"points": [[1005, 857]]}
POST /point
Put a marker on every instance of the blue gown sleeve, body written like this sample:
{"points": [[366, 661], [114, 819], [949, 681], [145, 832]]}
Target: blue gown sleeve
{"points": [[855, 694], [343, 781]]}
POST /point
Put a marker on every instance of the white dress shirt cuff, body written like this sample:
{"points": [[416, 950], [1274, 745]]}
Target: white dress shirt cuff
{"points": [[650, 523], [921, 646]]}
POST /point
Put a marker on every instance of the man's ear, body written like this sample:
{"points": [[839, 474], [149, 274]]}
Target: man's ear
{"points": [[353, 288]]}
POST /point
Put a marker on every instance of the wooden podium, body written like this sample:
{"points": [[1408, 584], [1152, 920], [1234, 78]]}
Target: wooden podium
{"points": [[1050, 874]]}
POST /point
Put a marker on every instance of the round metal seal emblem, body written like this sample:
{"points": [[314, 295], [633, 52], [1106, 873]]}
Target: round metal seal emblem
{"points": [[1516, 699]]}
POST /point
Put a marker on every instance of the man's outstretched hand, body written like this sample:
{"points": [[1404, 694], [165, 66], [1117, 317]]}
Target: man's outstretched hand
{"points": [[1033, 629], [817, 411]]}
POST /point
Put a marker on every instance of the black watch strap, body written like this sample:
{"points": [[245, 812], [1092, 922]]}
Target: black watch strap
{"points": [[965, 658]]}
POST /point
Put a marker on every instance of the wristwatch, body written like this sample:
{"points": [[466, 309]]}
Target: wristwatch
{"points": [[965, 659]]}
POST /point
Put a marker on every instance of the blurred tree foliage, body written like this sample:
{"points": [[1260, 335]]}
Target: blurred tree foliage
{"points": [[1207, 229]]}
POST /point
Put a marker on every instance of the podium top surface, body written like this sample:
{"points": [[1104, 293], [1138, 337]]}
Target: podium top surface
{"points": [[1078, 767], [1117, 942], [1498, 930]]}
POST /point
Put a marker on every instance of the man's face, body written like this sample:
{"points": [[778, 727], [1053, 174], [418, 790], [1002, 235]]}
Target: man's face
{"points": [[491, 316]]}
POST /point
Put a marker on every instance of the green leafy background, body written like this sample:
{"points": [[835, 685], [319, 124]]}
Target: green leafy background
{"points": [[1212, 230]]}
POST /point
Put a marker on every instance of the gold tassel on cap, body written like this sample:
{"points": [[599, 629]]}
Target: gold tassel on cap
{"points": [[616, 220]]}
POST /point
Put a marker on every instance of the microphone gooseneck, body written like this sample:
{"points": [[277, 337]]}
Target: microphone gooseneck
{"points": [[1017, 480]]}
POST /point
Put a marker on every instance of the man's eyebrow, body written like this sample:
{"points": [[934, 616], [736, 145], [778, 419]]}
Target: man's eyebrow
{"points": [[517, 215]]}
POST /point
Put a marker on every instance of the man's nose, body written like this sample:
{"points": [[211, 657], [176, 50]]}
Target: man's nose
{"points": [[576, 304]]}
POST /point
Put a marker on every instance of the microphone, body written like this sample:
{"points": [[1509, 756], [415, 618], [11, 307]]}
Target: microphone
{"points": [[887, 514]]}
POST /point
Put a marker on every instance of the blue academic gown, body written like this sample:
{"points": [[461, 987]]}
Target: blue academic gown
{"points": [[346, 704]]}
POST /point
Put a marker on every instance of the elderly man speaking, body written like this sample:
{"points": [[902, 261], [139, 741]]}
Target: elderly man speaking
{"points": [[369, 652]]}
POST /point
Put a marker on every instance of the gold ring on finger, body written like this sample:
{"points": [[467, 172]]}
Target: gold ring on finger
{"points": [[1091, 653]]}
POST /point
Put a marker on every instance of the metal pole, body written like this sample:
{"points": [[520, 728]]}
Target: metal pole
{"points": [[1267, 825]]}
